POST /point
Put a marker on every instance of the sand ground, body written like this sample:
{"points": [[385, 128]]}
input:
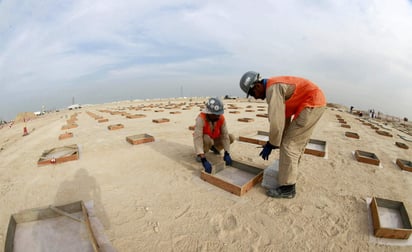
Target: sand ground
{"points": [[150, 197]]}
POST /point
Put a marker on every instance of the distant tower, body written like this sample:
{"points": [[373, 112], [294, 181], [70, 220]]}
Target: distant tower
{"points": [[181, 91], [72, 100]]}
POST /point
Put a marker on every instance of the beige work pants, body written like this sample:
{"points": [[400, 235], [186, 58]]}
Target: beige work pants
{"points": [[294, 140], [218, 142]]}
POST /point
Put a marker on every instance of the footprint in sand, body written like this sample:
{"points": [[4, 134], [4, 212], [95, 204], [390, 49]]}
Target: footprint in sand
{"points": [[229, 223], [185, 243]]}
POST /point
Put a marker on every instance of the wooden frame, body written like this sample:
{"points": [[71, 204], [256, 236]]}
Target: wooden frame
{"points": [[351, 134], [161, 120], [69, 126], [59, 155], [66, 135], [245, 119], [399, 226], [40, 214], [404, 164], [316, 147], [344, 125], [115, 126], [102, 120], [402, 145], [225, 182], [367, 157], [135, 116], [384, 133], [191, 127], [234, 112], [260, 138], [262, 115], [140, 138]]}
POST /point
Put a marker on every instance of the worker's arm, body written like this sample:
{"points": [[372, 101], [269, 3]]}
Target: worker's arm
{"points": [[275, 97], [198, 137]]}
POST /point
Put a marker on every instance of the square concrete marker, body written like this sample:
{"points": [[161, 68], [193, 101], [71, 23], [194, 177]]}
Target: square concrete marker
{"points": [[390, 219], [404, 164], [66, 135], [59, 155], [115, 126], [238, 178], [316, 147], [352, 134], [260, 138], [402, 145], [140, 138], [245, 119], [367, 157], [161, 120]]}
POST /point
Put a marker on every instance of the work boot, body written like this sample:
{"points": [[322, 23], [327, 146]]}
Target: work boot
{"points": [[216, 151], [286, 191]]}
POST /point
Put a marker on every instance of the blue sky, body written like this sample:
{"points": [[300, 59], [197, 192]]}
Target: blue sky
{"points": [[358, 51]]}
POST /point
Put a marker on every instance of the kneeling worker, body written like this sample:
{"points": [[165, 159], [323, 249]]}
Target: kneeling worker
{"points": [[211, 133]]}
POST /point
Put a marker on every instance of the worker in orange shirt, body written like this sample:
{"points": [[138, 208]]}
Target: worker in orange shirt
{"points": [[211, 133], [295, 105]]}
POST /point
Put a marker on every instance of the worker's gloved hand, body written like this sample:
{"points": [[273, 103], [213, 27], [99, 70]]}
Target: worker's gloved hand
{"points": [[227, 158], [267, 149], [206, 165]]}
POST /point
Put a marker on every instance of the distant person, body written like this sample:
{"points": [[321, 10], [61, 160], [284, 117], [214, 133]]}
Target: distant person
{"points": [[295, 105], [351, 109], [211, 134]]}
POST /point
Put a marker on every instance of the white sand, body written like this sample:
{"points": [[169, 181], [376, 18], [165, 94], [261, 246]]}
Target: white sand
{"points": [[150, 197]]}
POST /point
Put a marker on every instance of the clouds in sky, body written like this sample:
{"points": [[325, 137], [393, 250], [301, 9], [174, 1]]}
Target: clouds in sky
{"points": [[359, 52]]}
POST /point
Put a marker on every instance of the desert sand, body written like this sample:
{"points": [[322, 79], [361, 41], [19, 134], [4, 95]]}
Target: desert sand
{"points": [[150, 197]]}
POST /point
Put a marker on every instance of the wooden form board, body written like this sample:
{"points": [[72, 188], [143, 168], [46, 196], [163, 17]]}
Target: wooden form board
{"points": [[352, 135], [102, 120], [135, 116], [245, 119], [384, 133], [366, 157], [390, 219], [262, 115], [316, 147], [402, 145], [140, 138], [69, 126], [344, 125], [260, 138], [59, 155], [66, 135], [404, 164], [74, 215], [161, 120], [115, 126], [238, 178]]}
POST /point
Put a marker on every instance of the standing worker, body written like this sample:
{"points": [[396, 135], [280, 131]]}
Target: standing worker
{"points": [[211, 134], [295, 105]]}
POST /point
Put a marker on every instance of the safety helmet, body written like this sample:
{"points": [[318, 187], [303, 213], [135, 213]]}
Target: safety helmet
{"points": [[248, 80], [214, 106]]}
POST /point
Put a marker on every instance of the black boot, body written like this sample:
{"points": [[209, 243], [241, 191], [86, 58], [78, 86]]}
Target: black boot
{"points": [[286, 191], [216, 151]]}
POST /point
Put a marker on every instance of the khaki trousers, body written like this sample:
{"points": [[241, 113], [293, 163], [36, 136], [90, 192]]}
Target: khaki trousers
{"points": [[218, 142], [295, 137]]}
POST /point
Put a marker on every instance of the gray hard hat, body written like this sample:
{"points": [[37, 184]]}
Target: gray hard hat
{"points": [[214, 106], [248, 80]]}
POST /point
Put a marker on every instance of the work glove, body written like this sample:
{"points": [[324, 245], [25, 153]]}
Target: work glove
{"points": [[267, 149], [227, 158], [206, 165]]}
